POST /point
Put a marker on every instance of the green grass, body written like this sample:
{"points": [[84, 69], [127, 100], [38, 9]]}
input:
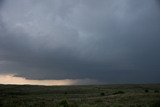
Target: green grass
{"points": [[80, 96]]}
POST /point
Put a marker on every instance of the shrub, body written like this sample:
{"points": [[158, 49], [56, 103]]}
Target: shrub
{"points": [[65, 92], [119, 92], [102, 94], [146, 91], [64, 103], [156, 91]]}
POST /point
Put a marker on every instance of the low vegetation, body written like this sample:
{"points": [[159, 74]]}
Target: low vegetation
{"points": [[80, 96]]}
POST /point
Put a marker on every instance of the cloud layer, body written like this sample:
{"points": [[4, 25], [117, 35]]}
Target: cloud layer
{"points": [[11, 79], [110, 41]]}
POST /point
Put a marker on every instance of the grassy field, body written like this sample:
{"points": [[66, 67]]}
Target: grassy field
{"points": [[146, 95]]}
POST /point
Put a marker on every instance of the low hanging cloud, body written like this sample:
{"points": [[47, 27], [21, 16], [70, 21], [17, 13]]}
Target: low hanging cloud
{"points": [[12, 79], [110, 41]]}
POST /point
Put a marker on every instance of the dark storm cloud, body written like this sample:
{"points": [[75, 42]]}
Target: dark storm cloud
{"points": [[108, 40], [1, 1]]}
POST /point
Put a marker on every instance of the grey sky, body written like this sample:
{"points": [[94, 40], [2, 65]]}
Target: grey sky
{"points": [[113, 41]]}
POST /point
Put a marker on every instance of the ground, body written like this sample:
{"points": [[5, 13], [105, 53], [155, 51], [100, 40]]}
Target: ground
{"points": [[128, 95]]}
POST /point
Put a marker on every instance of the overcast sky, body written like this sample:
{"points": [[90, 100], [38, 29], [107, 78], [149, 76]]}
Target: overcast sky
{"points": [[110, 41]]}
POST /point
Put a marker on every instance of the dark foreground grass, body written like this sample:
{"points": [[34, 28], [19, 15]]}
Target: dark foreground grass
{"points": [[80, 96]]}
